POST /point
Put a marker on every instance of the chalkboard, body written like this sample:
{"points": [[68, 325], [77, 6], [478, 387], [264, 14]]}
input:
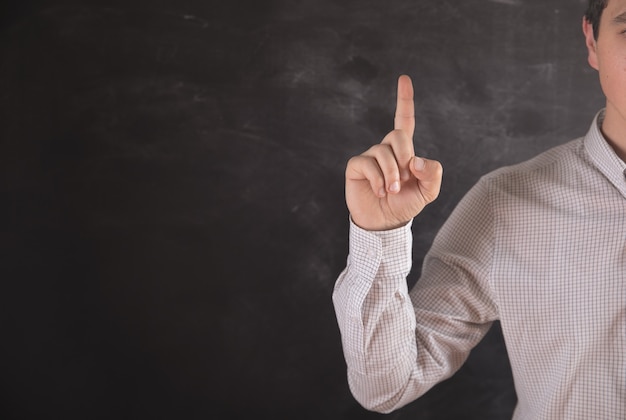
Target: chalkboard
{"points": [[174, 218]]}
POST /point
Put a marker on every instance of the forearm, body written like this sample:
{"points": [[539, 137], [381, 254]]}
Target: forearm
{"points": [[376, 318], [398, 345]]}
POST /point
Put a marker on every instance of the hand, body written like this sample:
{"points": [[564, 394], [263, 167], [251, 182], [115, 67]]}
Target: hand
{"points": [[388, 185]]}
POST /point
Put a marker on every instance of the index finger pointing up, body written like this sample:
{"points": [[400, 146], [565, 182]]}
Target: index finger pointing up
{"points": [[405, 108]]}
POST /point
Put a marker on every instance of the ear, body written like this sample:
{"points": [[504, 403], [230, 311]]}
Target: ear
{"points": [[591, 44]]}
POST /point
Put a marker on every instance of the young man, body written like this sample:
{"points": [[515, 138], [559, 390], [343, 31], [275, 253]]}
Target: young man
{"points": [[540, 246]]}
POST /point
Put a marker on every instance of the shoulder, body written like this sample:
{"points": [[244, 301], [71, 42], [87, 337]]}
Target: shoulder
{"points": [[543, 181], [555, 165]]}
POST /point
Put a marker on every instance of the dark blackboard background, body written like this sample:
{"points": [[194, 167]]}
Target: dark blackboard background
{"points": [[173, 189]]}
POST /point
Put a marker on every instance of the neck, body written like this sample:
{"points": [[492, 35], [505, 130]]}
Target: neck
{"points": [[614, 131]]}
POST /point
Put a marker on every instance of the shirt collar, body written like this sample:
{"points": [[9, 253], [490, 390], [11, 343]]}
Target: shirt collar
{"points": [[603, 156]]}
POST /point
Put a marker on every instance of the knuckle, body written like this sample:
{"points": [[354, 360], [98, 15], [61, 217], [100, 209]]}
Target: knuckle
{"points": [[377, 149], [437, 168], [400, 143], [434, 167], [392, 136], [353, 160], [351, 163]]}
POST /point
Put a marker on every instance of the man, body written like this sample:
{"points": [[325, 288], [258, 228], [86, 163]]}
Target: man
{"points": [[540, 246]]}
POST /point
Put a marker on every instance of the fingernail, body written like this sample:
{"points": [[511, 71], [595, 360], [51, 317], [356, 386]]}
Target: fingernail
{"points": [[418, 163], [395, 187], [382, 192]]}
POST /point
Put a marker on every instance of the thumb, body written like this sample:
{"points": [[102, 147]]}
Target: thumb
{"points": [[429, 174]]}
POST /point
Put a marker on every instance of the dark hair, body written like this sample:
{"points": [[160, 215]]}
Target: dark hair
{"points": [[594, 13]]}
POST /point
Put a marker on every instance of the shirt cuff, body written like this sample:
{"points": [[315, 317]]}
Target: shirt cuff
{"points": [[381, 253]]}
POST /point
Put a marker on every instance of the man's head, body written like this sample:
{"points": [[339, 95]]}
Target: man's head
{"points": [[606, 46], [594, 13]]}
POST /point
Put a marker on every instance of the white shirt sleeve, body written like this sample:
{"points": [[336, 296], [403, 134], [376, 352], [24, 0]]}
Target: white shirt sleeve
{"points": [[398, 345]]}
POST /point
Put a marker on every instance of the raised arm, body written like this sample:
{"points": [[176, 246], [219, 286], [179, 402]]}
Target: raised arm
{"points": [[398, 345]]}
